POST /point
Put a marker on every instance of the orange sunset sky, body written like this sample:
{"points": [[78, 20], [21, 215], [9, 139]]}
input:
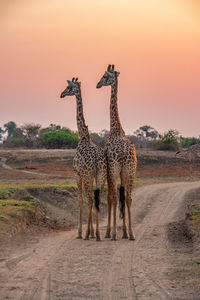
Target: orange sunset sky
{"points": [[155, 44]]}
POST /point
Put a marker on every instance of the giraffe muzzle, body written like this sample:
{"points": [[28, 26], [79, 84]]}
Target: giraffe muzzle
{"points": [[99, 85], [62, 95]]}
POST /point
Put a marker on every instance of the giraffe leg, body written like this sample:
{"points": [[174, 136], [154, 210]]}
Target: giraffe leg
{"points": [[109, 204], [88, 189], [108, 231], [98, 238], [114, 172], [89, 221], [125, 235], [80, 196], [100, 181], [128, 203], [131, 235], [130, 169], [114, 203], [92, 235], [114, 230]]}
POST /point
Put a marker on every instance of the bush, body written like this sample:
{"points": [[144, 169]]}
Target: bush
{"points": [[63, 138], [15, 142], [187, 142], [167, 142]]}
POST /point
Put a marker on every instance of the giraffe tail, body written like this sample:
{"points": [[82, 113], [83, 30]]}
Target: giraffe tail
{"points": [[121, 201], [96, 199]]}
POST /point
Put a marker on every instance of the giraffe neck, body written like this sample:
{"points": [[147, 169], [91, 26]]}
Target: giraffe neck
{"points": [[82, 128], [115, 125]]}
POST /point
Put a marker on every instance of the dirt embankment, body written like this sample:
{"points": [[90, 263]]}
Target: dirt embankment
{"points": [[57, 165], [50, 206], [156, 265]]}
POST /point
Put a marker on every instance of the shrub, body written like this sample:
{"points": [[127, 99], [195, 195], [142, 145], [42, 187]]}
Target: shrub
{"points": [[187, 142], [169, 141], [15, 142], [63, 138]]}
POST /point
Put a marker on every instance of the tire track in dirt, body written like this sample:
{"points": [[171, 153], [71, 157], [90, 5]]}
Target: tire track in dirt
{"points": [[61, 267]]}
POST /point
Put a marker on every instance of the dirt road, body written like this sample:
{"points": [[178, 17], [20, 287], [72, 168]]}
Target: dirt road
{"points": [[59, 266]]}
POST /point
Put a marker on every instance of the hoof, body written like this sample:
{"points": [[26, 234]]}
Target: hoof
{"points": [[113, 237], [98, 238], [108, 235], [79, 237], [92, 236], [86, 238], [132, 237], [125, 236]]}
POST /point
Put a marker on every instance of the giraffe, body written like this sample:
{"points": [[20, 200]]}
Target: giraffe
{"points": [[192, 153], [122, 161], [89, 164]]}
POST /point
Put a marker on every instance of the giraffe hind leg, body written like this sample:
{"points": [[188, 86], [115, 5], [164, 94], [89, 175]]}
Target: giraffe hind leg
{"points": [[80, 196], [88, 190], [109, 205], [122, 201], [97, 202]]}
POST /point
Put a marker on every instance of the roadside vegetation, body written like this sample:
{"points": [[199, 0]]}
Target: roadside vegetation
{"points": [[15, 215], [45, 205], [56, 137], [22, 205]]}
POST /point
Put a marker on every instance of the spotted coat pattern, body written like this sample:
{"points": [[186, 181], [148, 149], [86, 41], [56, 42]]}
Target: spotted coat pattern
{"points": [[121, 157], [89, 163]]}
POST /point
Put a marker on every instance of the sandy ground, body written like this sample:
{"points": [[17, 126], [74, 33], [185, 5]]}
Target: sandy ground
{"points": [[58, 266]]}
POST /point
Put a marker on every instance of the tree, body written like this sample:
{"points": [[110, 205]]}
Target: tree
{"points": [[169, 141], [100, 138], [147, 132], [10, 128], [31, 133], [1, 133]]}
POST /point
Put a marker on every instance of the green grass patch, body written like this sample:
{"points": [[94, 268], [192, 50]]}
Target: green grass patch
{"points": [[196, 215], [20, 200], [8, 190], [12, 212]]}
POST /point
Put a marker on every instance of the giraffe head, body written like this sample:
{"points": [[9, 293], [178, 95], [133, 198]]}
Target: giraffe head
{"points": [[109, 77], [72, 89]]}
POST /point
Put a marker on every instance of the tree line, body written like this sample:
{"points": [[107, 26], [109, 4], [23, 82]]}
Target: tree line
{"points": [[56, 137]]}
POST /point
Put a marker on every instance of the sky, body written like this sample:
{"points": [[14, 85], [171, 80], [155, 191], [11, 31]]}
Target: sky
{"points": [[154, 44]]}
